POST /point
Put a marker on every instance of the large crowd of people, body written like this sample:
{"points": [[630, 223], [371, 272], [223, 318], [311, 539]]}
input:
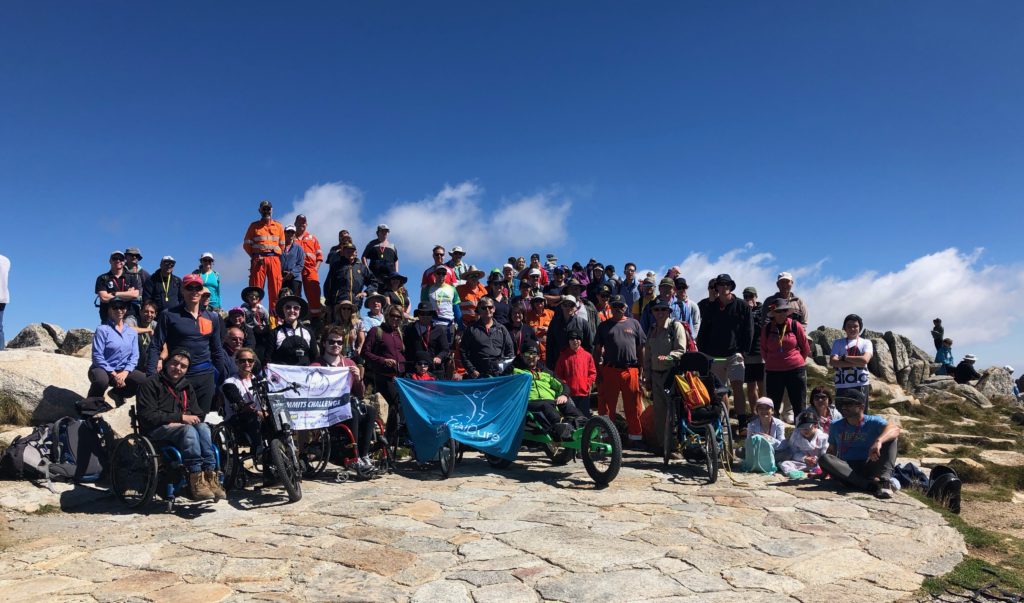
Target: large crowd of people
{"points": [[583, 331]]}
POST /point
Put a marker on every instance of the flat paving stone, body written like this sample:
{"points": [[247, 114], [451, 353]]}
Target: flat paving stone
{"points": [[530, 533]]}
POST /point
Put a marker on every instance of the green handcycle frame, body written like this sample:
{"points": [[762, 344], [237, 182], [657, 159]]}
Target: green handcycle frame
{"points": [[597, 442]]}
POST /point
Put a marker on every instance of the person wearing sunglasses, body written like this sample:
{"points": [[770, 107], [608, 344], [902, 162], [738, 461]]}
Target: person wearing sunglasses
{"points": [[384, 351], [197, 331], [242, 410], [118, 283], [211, 279], [429, 277], [363, 415], [292, 343], [487, 349], [163, 287], [665, 345], [115, 354]]}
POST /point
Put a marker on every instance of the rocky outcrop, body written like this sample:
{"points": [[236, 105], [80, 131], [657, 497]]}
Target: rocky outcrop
{"points": [[47, 385], [882, 364], [996, 384], [75, 340], [35, 336], [942, 389]]}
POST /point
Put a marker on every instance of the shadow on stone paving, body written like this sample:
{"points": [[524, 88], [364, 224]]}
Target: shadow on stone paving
{"points": [[526, 469], [252, 498], [87, 500]]}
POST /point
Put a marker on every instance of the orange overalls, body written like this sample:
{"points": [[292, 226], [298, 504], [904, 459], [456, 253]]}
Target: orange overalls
{"points": [[264, 242], [310, 278], [540, 321]]}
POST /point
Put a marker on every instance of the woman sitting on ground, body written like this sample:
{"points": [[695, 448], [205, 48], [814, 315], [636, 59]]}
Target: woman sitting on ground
{"points": [[115, 354], [824, 407]]}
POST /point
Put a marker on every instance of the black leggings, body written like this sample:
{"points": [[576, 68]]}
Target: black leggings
{"points": [[361, 426], [547, 412], [793, 382]]}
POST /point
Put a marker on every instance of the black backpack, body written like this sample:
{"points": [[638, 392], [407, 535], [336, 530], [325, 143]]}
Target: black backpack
{"points": [[66, 450]]}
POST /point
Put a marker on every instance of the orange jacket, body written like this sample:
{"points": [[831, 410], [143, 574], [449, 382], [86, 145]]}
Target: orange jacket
{"points": [[314, 254], [540, 321], [263, 238]]}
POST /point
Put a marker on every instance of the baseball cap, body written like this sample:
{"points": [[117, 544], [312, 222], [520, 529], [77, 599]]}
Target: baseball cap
{"points": [[533, 272], [667, 282], [116, 252], [764, 402], [348, 244], [167, 258], [806, 419], [784, 276], [573, 334], [750, 291], [509, 266], [569, 298], [383, 227], [191, 279], [681, 283], [206, 255], [265, 203], [290, 227], [617, 300]]}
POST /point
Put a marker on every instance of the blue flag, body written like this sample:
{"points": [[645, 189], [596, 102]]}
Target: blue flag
{"points": [[487, 414]]}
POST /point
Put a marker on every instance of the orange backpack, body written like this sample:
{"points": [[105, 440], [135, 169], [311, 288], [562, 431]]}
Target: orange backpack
{"points": [[692, 389]]}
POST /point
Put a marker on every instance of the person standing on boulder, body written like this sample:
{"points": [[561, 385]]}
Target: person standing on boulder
{"points": [[264, 242], [197, 331], [117, 283], [311, 266], [938, 333], [850, 358], [163, 287]]}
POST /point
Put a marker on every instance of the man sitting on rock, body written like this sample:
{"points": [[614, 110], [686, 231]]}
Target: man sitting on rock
{"points": [[168, 410], [965, 371], [861, 448]]}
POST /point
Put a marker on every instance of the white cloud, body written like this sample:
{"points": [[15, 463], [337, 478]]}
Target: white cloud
{"points": [[977, 303], [457, 215]]}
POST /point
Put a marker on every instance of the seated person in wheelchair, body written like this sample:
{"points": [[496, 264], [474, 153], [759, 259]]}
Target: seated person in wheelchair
{"points": [[421, 370], [168, 411], [547, 401], [363, 415], [242, 409]]}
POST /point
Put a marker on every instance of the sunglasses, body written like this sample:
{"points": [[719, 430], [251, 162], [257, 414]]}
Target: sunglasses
{"points": [[486, 307], [335, 342], [193, 288], [246, 360]]}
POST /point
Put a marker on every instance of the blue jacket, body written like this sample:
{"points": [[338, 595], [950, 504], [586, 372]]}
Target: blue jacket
{"points": [[200, 336], [292, 260]]}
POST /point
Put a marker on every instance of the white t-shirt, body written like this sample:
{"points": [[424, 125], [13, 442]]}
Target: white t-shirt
{"points": [[851, 376], [5, 268]]}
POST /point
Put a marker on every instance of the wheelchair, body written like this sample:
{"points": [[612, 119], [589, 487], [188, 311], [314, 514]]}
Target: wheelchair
{"points": [[343, 449], [597, 441], [702, 433], [140, 468], [449, 455], [275, 457]]}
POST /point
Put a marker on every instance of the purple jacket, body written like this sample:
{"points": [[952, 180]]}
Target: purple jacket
{"points": [[383, 343]]}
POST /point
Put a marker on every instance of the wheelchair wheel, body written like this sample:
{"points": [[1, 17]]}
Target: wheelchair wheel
{"points": [[227, 448], [497, 462], [315, 452], [135, 470], [711, 452], [559, 456], [668, 438], [380, 451], [602, 449], [286, 469], [726, 453], [447, 457]]}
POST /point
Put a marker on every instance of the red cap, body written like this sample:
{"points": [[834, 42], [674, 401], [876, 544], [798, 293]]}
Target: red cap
{"points": [[190, 279]]}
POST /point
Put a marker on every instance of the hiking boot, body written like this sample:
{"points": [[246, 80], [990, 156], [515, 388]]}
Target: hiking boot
{"points": [[197, 485], [213, 481]]}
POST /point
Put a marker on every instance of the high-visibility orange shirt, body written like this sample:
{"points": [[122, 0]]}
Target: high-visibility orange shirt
{"points": [[314, 254], [263, 238], [469, 293], [540, 321]]}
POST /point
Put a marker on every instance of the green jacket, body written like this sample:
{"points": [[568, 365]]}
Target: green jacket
{"points": [[544, 386]]}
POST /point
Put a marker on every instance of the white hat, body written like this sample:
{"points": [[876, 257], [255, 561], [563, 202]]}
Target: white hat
{"points": [[457, 249], [206, 254], [509, 266], [970, 358], [569, 298], [784, 276], [290, 227], [383, 227], [764, 402], [1008, 369], [167, 258], [533, 272]]}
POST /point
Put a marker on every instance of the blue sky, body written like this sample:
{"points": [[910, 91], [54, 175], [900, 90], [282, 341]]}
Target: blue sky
{"points": [[874, 147]]}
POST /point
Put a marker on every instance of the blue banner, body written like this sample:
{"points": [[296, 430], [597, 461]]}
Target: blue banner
{"points": [[487, 414]]}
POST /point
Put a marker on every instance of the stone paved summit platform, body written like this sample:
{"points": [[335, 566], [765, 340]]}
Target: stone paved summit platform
{"points": [[531, 532]]}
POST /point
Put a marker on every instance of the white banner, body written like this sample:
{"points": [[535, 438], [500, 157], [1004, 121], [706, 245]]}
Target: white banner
{"points": [[314, 396]]}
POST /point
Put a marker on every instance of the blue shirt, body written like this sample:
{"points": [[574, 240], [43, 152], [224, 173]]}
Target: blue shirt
{"points": [[630, 292], [292, 260], [372, 321], [113, 351], [211, 280], [852, 441]]}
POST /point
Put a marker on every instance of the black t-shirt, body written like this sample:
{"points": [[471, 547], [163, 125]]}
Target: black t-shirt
{"points": [[380, 259], [621, 341], [115, 284]]}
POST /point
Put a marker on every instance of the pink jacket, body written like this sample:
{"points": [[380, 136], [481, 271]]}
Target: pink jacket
{"points": [[790, 353]]}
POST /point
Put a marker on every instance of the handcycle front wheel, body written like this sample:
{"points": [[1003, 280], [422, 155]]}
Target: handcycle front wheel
{"points": [[134, 470], [286, 469], [601, 448], [227, 448], [711, 452]]}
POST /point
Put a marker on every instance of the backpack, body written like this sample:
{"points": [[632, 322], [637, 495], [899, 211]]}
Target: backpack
{"points": [[759, 456], [692, 389], [66, 450]]}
